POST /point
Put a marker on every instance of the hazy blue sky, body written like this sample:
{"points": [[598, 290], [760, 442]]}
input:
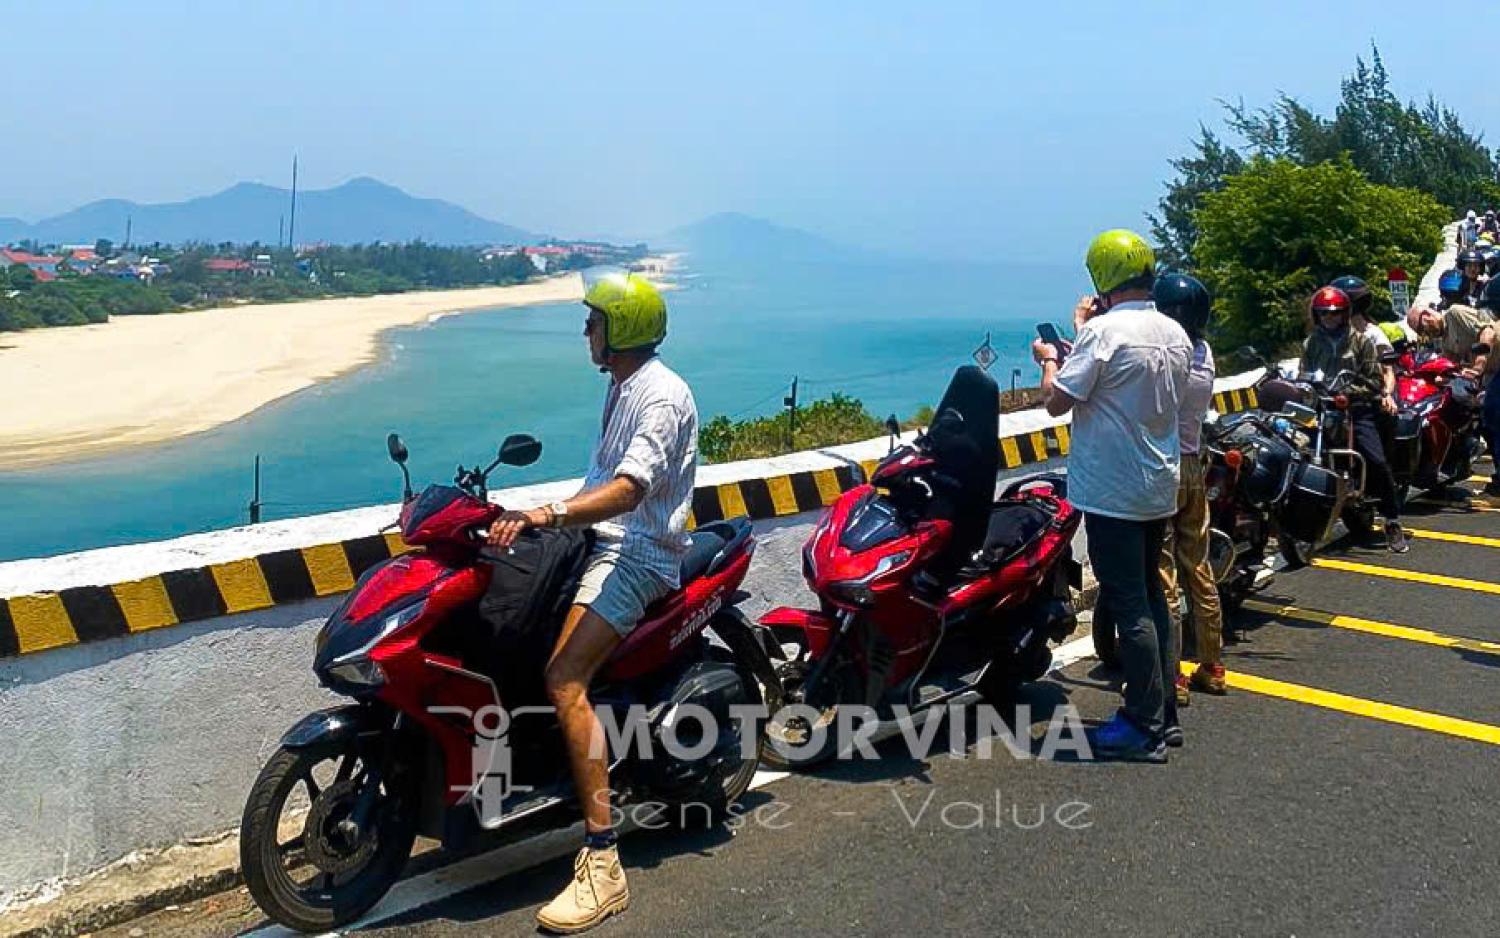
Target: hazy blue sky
{"points": [[995, 129]]}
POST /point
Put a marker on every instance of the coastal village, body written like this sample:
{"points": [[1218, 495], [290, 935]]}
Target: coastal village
{"points": [[50, 262]]}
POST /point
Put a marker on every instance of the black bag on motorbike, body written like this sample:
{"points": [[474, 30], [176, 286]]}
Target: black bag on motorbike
{"points": [[528, 597], [1315, 497], [1406, 436], [1267, 459]]}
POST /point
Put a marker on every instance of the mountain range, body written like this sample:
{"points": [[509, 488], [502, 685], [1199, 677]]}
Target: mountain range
{"points": [[363, 210], [359, 211]]}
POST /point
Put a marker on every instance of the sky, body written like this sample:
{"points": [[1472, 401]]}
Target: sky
{"points": [[1000, 131]]}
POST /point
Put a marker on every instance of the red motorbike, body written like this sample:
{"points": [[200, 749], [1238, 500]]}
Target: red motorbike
{"points": [[426, 746], [1437, 434], [929, 587]]}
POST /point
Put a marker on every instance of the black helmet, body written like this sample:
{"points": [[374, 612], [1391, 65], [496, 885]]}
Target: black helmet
{"points": [[1469, 256], [1358, 292], [1184, 299], [1490, 298]]}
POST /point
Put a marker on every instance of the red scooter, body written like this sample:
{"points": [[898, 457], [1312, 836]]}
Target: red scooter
{"points": [[929, 586], [1437, 434], [426, 746]]}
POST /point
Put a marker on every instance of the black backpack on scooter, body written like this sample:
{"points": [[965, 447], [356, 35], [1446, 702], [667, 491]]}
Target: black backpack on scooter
{"points": [[530, 591]]}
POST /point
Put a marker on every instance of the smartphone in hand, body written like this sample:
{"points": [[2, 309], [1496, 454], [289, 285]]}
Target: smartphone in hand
{"points": [[1052, 337]]}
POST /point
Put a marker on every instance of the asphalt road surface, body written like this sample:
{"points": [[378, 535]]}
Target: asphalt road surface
{"points": [[1346, 786]]}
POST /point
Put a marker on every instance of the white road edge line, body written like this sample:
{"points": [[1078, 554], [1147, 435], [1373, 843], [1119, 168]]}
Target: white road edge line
{"points": [[447, 881]]}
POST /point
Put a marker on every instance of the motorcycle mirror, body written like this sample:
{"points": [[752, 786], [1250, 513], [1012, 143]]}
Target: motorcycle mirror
{"points": [[892, 425], [520, 449], [397, 449]]}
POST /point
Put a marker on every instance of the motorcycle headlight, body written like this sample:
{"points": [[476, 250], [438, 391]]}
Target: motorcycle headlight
{"points": [[361, 673], [859, 591]]}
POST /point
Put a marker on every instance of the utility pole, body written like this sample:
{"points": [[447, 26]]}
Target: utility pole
{"points": [[128, 220], [280, 230], [291, 232], [255, 499], [790, 402], [1015, 375]]}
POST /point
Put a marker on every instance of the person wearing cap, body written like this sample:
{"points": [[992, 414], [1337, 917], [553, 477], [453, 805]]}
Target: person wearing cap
{"points": [[636, 496], [1333, 347], [1468, 230], [1458, 331], [1124, 382]]}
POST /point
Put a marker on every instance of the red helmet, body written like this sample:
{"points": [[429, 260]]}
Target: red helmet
{"points": [[1330, 299]]}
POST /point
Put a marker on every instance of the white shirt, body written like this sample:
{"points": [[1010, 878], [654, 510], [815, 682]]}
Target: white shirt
{"points": [[1128, 372], [1196, 397], [1375, 334], [650, 435]]}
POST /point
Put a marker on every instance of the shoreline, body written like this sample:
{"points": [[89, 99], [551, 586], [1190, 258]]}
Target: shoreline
{"points": [[84, 391]]}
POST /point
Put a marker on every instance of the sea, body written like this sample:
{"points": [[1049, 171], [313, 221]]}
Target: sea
{"points": [[887, 332]]}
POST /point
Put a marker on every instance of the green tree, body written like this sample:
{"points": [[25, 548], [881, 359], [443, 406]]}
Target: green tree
{"points": [[20, 277], [104, 247], [15, 316], [1277, 231]]}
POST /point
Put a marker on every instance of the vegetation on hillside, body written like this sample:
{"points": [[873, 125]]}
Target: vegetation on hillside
{"points": [[1307, 197]]}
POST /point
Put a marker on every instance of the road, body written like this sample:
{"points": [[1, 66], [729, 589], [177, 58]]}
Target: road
{"points": [[1346, 786]]}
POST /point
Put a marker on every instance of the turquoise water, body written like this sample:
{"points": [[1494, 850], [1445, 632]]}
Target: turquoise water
{"points": [[890, 335]]}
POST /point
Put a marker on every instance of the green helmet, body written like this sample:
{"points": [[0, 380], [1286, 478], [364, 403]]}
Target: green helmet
{"points": [[635, 315], [1119, 256]]}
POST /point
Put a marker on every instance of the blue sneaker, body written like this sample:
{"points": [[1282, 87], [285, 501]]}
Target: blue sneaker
{"points": [[1122, 740]]}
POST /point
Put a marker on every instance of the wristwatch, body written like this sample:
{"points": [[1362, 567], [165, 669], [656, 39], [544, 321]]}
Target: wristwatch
{"points": [[559, 512]]}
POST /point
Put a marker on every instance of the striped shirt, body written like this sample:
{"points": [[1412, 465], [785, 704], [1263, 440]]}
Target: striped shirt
{"points": [[649, 434]]}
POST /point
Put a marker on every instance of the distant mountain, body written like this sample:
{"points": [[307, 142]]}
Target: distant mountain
{"points": [[743, 236], [360, 210]]}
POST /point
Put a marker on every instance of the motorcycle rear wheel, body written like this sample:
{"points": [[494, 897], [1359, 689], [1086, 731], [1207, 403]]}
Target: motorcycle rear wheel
{"points": [[722, 787], [347, 879]]}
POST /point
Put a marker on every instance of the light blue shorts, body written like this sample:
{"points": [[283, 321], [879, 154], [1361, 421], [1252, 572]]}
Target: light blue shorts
{"points": [[618, 590]]}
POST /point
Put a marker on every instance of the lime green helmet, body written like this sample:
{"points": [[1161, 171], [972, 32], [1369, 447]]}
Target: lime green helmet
{"points": [[1119, 256], [635, 315], [1393, 331]]}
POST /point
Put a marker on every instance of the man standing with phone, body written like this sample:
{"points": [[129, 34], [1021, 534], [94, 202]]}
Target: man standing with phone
{"points": [[1123, 381]]}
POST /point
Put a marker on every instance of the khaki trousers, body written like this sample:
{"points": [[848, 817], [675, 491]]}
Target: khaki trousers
{"points": [[1185, 550]]}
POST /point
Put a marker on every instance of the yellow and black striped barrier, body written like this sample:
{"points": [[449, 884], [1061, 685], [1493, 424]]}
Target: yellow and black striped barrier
{"points": [[82, 614]]}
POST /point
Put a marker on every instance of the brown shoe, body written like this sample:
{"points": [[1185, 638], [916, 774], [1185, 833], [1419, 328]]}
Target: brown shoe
{"points": [[1209, 678], [598, 890], [1184, 699]]}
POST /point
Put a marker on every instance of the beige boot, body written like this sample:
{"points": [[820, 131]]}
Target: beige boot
{"points": [[597, 891]]}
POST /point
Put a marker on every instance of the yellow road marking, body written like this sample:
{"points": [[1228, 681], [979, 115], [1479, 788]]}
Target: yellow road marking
{"points": [[242, 585], [1473, 539], [1374, 627], [731, 502], [1039, 444], [1064, 440], [783, 499], [1412, 576], [41, 622], [395, 544], [828, 485], [328, 569], [1373, 709], [1010, 451], [145, 604]]}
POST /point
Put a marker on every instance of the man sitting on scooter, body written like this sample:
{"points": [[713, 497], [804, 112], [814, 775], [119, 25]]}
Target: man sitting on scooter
{"points": [[1334, 347], [1459, 330], [637, 495]]}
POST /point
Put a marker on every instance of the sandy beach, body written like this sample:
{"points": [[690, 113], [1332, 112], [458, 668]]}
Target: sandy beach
{"points": [[74, 392]]}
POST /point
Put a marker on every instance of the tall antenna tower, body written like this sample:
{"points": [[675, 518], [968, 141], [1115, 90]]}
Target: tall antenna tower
{"points": [[291, 229]]}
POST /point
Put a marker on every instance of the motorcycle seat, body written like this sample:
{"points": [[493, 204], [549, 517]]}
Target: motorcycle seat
{"points": [[1013, 527], [710, 546]]}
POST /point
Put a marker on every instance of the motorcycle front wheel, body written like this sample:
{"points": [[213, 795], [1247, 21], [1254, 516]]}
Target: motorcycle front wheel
{"points": [[308, 863], [793, 741]]}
